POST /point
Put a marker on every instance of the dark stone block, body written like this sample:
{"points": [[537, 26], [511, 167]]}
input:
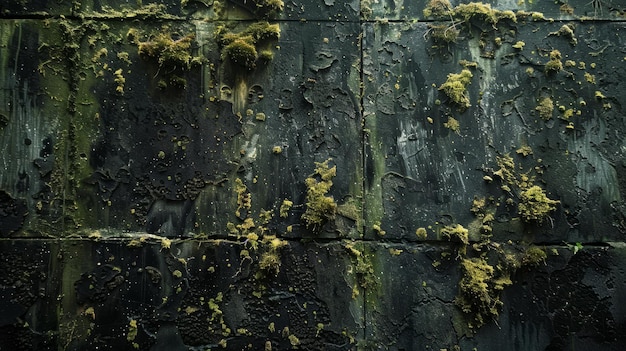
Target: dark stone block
{"points": [[433, 172], [573, 300], [204, 294], [28, 295], [559, 10], [169, 142]]}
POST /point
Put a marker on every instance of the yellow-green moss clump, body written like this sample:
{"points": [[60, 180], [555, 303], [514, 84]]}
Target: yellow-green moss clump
{"points": [[170, 50], [455, 88], [566, 31], [479, 291], [285, 207], [319, 207], [457, 233], [269, 8], [453, 125], [269, 262], [554, 65], [438, 8], [421, 233], [244, 198], [545, 108], [535, 205], [442, 9], [244, 48], [533, 256]]}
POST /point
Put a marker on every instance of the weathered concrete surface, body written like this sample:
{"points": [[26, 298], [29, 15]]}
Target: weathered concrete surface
{"points": [[164, 190], [114, 294], [558, 10], [435, 173], [569, 302]]}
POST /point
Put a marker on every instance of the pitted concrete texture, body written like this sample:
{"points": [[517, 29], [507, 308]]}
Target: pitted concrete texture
{"points": [[312, 174]]}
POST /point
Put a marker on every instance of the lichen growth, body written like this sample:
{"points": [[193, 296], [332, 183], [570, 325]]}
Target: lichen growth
{"points": [[455, 88], [459, 234], [319, 207], [453, 125], [285, 207], [524, 150], [554, 65], [244, 198], [456, 233], [566, 31], [545, 108], [519, 45], [378, 229], [535, 205], [421, 233], [363, 268]]}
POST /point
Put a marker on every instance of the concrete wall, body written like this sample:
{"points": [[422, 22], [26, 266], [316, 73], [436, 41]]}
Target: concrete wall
{"points": [[312, 174]]}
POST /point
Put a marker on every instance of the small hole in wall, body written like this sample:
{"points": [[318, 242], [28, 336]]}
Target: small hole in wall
{"points": [[27, 141]]}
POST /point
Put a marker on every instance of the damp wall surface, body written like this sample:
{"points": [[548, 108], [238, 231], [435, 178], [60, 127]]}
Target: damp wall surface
{"points": [[312, 174]]}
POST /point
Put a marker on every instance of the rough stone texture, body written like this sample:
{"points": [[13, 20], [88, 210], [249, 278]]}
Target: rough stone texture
{"points": [[155, 185]]}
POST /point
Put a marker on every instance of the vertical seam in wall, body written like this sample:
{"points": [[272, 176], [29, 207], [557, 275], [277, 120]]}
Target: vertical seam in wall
{"points": [[361, 100]]}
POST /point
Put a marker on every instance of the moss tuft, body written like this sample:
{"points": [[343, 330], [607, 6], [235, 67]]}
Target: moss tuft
{"points": [[453, 125], [545, 108], [241, 51], [168, 49], [554, 65], [421, 233], [533, 256], [269, 8], [269, 262], [479, 291], [245, 48], [438, 9], [319, 207], [535, 205], [455, 87], [244, 198], [456, 233]]}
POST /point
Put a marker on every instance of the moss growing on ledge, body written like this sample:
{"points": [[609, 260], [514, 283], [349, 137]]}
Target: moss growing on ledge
{"points": [[319, 207], [442, 9], [170, 50], [533, 256], [457, 233], [455, 88], [244, 48]]}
